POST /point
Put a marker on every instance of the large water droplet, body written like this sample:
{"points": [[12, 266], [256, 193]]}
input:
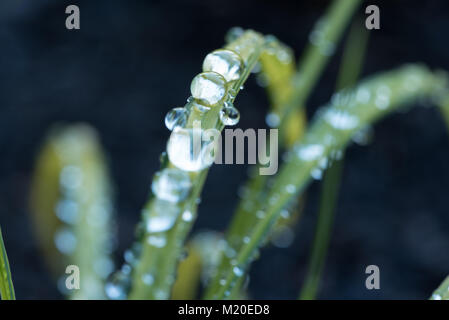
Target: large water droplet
{"points": [[225, 62], [229, 115], [148, 279], [158, 241], [67, 211], [209, 88], [171, 184], [187, 151], [161, 216], [176, 117]]}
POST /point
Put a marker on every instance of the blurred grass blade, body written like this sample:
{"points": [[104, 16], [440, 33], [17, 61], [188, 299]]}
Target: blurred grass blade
{"points": [[333, 126], [6, 285], [442, 293], [350, 68], [72, 208], [288, 91]]}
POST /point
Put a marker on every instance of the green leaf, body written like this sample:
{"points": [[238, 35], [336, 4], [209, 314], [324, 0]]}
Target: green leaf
{"points": [[6, 285]]}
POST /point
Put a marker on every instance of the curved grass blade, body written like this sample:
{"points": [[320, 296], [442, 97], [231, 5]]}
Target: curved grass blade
{"points": [[72, 209], [331, 129], [154, 268], [6, 285], [349, 72], [288, 92], [442, 293]]}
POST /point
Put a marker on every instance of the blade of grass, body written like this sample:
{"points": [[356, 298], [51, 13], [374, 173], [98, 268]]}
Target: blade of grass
{"points": [[350, 68], [442, 293], [288, 91], [160, 263], [72, 208], [6, 285], [332, 128]]}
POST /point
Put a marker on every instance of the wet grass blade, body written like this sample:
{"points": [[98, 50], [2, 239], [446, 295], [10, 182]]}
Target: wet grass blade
{"points": [[349, 72], [442, 293], [332, 128], [6, 285]]}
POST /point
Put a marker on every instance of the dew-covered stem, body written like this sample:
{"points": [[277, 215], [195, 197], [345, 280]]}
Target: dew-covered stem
{"points": [[330, 131], [171, 210], [6, 285], [288, 91], [72, 209]]}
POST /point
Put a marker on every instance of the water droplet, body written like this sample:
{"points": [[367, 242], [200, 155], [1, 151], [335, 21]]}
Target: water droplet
{"points": [[65, 241], [161, 216], [187, 216], [290, 188], [148, 279], [273, 120], [237, 271], [229, 115], [260, 214], [233, 34], [363, 95], [176, 117], [363, 136], [222, 282], [171, 184], [246, 239], [67, 211], [382, 97], [117, 287], [316, 173], [158, 241], [340, 119], [187, 151], [71, 177], [436, 296], [283, 238], [310, 152], [225, 62], [209, 88]]}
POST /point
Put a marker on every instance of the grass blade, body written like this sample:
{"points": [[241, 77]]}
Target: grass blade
{"points": [[349, 72], [442, 293], [6, 285], [332, 128]]}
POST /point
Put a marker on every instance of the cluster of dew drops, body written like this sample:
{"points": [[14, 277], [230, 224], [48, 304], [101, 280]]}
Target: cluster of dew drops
{"points": [[209, 89]]}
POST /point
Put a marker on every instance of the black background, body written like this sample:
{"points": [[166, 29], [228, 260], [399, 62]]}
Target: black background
{"points": [[133, 60]]}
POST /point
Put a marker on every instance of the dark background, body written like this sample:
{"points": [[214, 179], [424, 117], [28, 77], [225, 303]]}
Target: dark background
{"points": [[133, 60]]}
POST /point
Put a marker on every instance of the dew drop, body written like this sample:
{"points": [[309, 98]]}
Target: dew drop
{"points": [[340, 119], [290, 188], [229, 115], [316, 173], [273, 120], [233, 34], [171, 184], [209, 88], [161, 217], [148, 279], [176, 117], [187, 152], [158, 241], [117, 287], [65, 241], [225, 62], [67, 211], [187, 216], [310, 152], [237, 271]]}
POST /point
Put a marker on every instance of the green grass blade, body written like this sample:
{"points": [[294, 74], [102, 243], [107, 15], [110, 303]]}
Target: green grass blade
{"points": [[72, 210], [349, 72], [332, 128], [288, 92], [442, 293], [160, 263], [6, 285]]}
